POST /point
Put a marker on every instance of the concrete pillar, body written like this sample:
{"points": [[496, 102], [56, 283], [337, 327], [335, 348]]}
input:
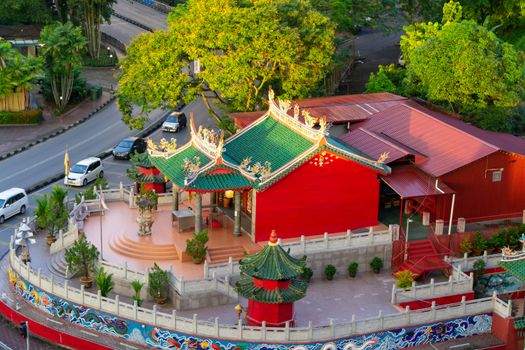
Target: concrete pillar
{"points": [[426, 218], [175, 190], [406, 209], [213, 202], [461, 225], [523, 218], [198, 213], [237, 213], [440, 224]]}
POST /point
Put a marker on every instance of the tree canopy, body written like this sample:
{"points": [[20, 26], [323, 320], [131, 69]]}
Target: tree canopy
{"points": [[244, 46], [24, 12]]}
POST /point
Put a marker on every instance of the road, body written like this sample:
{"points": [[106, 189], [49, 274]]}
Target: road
{"points": [[143, 14]]}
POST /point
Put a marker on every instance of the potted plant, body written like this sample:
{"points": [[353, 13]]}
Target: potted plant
{"points": [[137, 287], [478, 268], [307, 274], [480, 244], [352, 269], [404, 279], [329, 272], [376, 264], [82, 257], [196, 247], [158, 280], [104, 282], [466, 245]]}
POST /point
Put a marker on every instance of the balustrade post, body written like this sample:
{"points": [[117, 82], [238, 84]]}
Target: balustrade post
{"points": [[325, 238], [194, 324], [348, 238], [216, 327], [464, 304], [413, 289], [263, 331], [310, 330], [39, 277], [432, 287], [494, 297], [393, 296], [174, 318], [182, 285], [371, 234], [117, 304], [450, 284], [381, 319], [332, 331], [239, 327], [303, 244], [287, 330], [471, 280], [125, 269], [121, 191], [485, 256], [433, 309], [230, 264], [135, 306], [465, 259], [28, 266], [154, 314], [407, 313], [61, 238], [99, 299], [206, 271], [227, 283], [82, 290], [509, 308], [353, 325], [131, 196], [52, 284]]}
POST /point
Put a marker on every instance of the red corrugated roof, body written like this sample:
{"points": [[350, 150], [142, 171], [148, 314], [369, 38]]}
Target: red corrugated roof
{"points": [[410, 182], [337, 109], [446, 146]]}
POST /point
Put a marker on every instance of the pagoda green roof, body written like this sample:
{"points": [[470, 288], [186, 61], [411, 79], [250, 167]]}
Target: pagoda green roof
{"points": [[143, 178], [220, 182], [272, 263], [296, 290]]}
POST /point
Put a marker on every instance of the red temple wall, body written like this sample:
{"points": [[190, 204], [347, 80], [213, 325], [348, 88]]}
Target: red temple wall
{"points": [[478, 198], [275, 315], [312, 200]]}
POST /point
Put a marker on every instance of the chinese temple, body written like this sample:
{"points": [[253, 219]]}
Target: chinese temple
{"points": [[286, 173], [271, 283]]}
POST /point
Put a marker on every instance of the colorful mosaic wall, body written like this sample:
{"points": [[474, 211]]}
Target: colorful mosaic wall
{"points": [[160, 338], [502, 282]]}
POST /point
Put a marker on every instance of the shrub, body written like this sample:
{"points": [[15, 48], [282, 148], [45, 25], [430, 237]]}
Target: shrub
{"points": [[104, 282], [82, 257], [329, 272], [404, 279], [196, 247], [376, 264], [478, 267], [158, 280], [137, 287], [352, 268], [307, 274], [466, 245], [479, 244], [33, 116]]}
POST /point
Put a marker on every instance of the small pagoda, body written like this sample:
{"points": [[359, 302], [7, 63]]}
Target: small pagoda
{"points": [[145, 174], [270, 280]]}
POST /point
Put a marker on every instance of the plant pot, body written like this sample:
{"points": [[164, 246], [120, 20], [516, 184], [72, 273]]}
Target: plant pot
{"points": [[329, 278], [160, 300], [352, 274], [376, 270], [198, 260], [86, 281], [50, 239]]}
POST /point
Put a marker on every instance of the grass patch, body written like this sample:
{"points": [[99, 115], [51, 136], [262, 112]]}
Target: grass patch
{"points": [[107, 58]]}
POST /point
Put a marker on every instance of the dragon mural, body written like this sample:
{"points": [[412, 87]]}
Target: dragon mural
{"points": [[155, 337]]}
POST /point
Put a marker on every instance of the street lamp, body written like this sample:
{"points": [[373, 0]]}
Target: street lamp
{"points": [[406, 238], [238, 310]]}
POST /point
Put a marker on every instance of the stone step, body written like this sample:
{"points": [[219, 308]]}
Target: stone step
{"points": [[128, 240], [57, 265], [143, 251], [160, 248], [221, 255]]}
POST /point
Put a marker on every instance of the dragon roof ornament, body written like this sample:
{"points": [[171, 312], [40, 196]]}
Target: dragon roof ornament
{"points": [[208, 141], [279, 110], [507, 254], [163, 149]]}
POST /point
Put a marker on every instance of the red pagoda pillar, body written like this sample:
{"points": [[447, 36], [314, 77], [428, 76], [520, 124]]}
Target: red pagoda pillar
{"points": [[271, 283]]}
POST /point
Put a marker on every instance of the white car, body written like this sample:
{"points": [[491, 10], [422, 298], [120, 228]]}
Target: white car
{"points": [[12, 202], [84, 171]]}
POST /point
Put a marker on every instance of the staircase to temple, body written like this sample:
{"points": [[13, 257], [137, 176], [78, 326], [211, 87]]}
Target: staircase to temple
{"points": [[220, 255], [126, 246], [57, 265], [422, 257]]}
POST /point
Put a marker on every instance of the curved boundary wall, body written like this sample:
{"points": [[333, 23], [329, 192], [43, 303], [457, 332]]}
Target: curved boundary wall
{"points": [[156, 337]]}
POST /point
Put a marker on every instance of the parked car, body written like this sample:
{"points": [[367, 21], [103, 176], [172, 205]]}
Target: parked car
{"points": [[12, 202], [128, 146], [175, 122], [84, 171]]}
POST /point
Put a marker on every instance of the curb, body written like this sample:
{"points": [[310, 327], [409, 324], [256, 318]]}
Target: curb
{"points": [[163, 8], [102, 155], [55, 132], [132, 21]]}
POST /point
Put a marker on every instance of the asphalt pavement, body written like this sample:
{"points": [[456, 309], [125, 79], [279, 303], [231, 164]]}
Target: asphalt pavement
{"points": [[141, 13]]}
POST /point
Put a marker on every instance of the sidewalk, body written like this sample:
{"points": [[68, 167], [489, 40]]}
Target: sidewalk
{"points": [[9, 336]]}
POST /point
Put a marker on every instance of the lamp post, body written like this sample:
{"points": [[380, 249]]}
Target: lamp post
{"points": [[238, 310], [406, 238]]}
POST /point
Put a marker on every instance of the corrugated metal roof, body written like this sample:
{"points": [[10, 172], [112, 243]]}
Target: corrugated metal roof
{"points": [[410, 182], [337, 109], [446, 146]]}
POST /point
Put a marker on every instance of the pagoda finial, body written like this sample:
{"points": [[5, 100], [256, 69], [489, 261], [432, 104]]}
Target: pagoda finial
{"points": [[271, 94], [273, 239]]}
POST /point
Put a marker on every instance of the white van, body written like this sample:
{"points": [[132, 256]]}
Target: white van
{"points": [[12, 202], [85, 171]]}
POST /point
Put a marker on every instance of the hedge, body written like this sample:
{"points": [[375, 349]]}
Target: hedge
{"points": [[32, 116]]}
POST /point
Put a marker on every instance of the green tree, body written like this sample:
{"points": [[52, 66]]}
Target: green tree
{"points": [[62, 45], [24, 12], [82, 257], [91, 14], [17, 76], [387, 79], [244, 47]]}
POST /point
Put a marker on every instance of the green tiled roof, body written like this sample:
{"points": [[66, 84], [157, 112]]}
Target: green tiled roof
{"points": [[519, 322], [141, 159], [295, 291], [148, 179], [272, 263], [173, 167], [268, 141], [219, 182], [515, 268]]}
